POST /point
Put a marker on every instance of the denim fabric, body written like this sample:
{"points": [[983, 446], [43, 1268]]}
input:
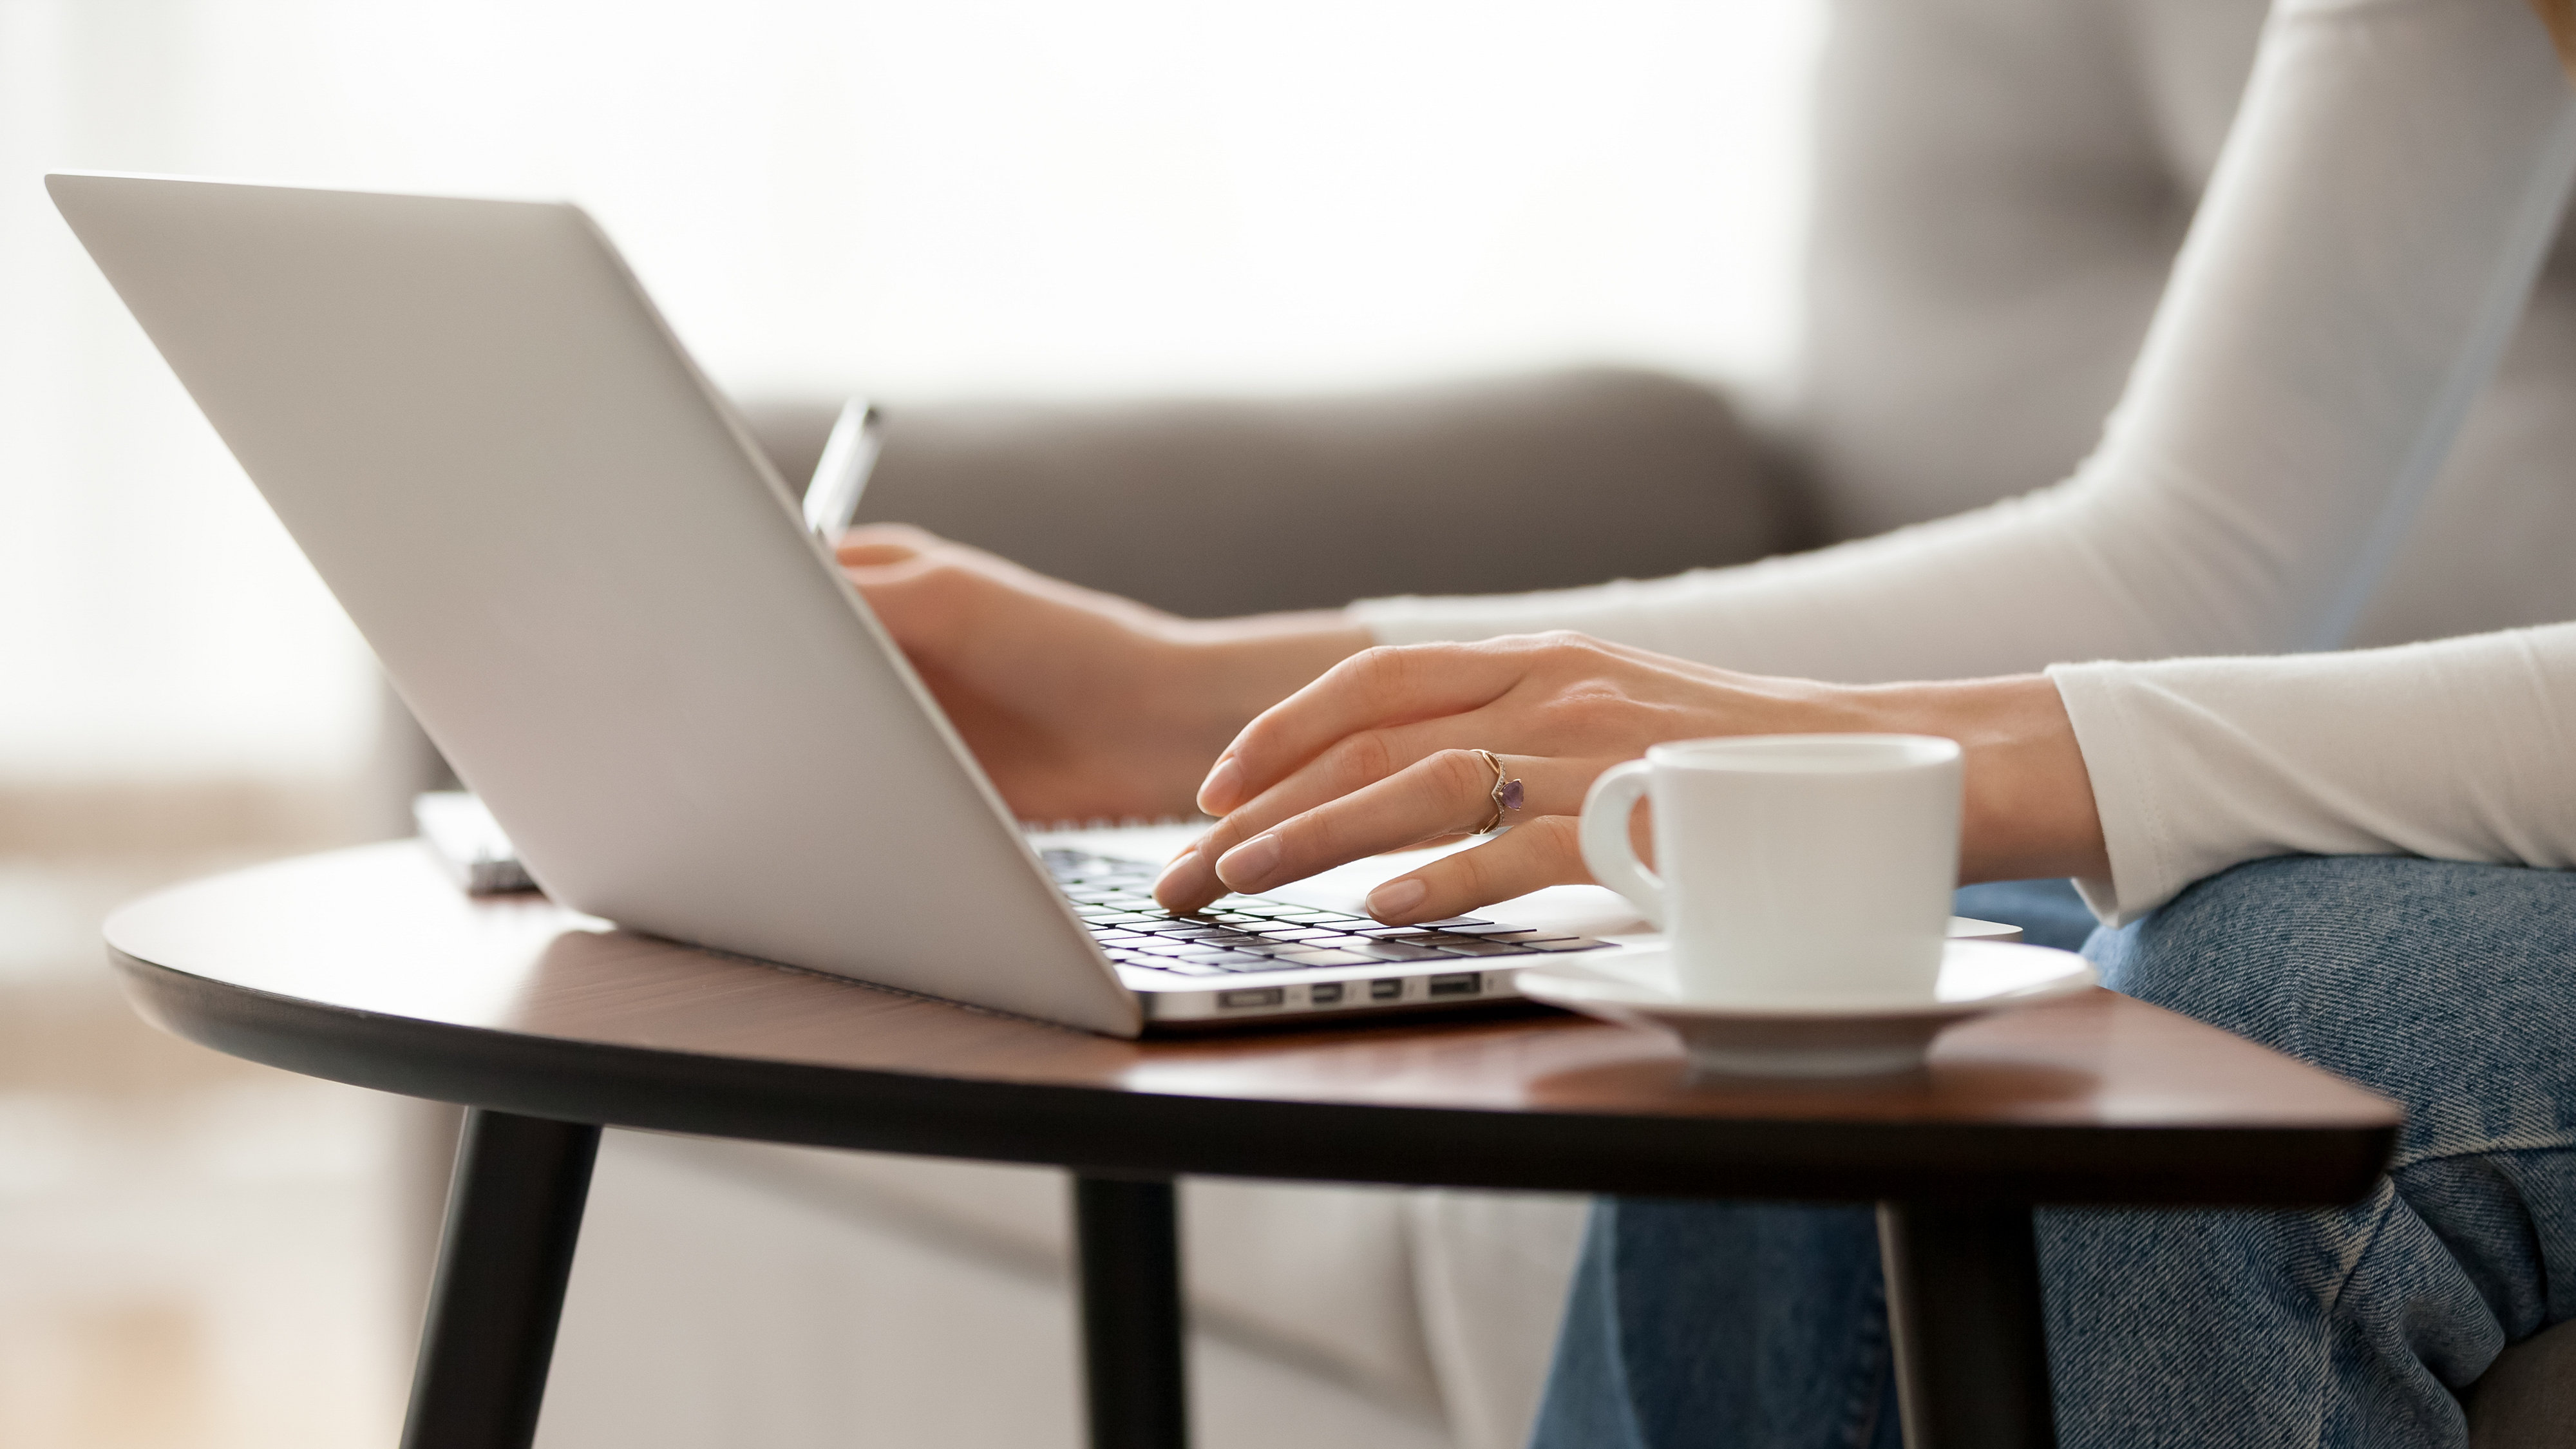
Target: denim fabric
{"points": [[2451, 987]]}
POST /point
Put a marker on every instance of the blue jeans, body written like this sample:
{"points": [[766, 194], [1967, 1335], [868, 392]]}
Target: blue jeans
{"points": [[2450, 987]]}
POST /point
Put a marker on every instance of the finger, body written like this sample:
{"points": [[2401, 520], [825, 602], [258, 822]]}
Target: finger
{"points": [[924, 602], [1337, 811], [1373, 689], [890, 541], [1544, 852], [1190, 881], [856, 553], [1551, 786], [1446, 793]]}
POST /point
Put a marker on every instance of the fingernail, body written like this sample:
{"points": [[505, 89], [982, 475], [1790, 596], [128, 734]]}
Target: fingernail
{"points": [[1216, 793], [1173, 868], [1247, 867], [1396, 897]]}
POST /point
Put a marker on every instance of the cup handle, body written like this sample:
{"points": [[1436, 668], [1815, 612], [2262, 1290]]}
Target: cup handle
{"points": [[1606, 813]]}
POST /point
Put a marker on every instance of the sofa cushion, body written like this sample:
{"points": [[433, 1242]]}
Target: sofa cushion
{"points": [[1490, 1271], [1138, 497], [716, 1307], [1319, 1276]]}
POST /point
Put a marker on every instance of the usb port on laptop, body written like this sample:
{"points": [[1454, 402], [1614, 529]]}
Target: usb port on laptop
{"points": [[1461, 984], [1260, 996]]}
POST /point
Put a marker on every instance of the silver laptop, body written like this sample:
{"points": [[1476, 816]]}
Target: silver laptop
{"points": [[605, 609]]}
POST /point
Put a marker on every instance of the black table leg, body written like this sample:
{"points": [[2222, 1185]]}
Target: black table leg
{"points": [[513, 1214], [1963, 1307], [1128, 1263]]}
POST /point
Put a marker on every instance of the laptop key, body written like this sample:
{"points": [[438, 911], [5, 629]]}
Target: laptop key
{"points": [[1482, 948], [1567, 943], [1326, 958], [1395, 951]]}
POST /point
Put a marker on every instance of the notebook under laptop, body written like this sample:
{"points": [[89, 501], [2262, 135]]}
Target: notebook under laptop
{"points": [[605, 609]]}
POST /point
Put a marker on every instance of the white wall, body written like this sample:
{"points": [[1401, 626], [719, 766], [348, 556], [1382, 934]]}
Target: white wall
{"points": [[915, 199]]}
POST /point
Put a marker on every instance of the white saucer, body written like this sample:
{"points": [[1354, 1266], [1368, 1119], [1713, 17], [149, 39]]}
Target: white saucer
{"points": [[1815, 1039]]}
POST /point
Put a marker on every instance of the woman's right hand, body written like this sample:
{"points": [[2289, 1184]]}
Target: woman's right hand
{"points": [[1382, 753], [1080, 705]]}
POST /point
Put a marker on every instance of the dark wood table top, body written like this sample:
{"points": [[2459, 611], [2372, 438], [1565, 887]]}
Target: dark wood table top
{"points": [[367, 966]]}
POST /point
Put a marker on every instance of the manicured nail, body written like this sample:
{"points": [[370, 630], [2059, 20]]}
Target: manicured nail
{"points": [[1396, 897], [1217, 792], [1247, 867]]}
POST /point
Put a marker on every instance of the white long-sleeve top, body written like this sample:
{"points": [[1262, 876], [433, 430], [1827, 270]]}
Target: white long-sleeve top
{"points": [[2464, 749], [2365, 246]]}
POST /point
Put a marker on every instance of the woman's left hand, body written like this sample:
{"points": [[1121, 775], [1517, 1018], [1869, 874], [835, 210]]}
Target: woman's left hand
{"points": [[1380, 753]]}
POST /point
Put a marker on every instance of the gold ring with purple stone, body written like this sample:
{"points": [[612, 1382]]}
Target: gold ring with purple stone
{"points": [[1506, 793]]}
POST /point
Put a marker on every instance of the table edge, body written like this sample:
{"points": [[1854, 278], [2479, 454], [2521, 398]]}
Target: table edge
{"points": [[1118, 1131]]}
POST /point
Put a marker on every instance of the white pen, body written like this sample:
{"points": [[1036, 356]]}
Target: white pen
{"points": [[841, 474]]}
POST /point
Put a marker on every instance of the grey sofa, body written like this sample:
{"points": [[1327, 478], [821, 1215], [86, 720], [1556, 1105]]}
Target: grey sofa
{"points": [[1211, 507]]}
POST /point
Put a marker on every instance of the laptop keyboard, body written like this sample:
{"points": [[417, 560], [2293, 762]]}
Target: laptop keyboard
{"points": [[1237, 934]]}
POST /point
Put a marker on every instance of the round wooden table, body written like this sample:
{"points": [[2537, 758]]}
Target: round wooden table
{"points": [[367, 966]]}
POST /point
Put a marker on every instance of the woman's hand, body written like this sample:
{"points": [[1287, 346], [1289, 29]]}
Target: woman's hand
{"points": [[1080, 705], [1379, 754]]}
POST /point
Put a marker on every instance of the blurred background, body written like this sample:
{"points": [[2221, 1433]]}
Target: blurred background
{"points": [[975, 198]]}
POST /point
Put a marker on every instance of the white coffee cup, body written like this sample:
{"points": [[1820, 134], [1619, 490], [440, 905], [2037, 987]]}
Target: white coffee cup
{"points": [[1790, 870]]}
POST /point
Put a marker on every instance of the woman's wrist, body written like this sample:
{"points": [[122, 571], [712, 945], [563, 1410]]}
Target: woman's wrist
{"points": [[2029, 809]]}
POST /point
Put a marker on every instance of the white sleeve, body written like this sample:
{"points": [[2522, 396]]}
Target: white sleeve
{"points": [[2362, 254], [2464, 749]]}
